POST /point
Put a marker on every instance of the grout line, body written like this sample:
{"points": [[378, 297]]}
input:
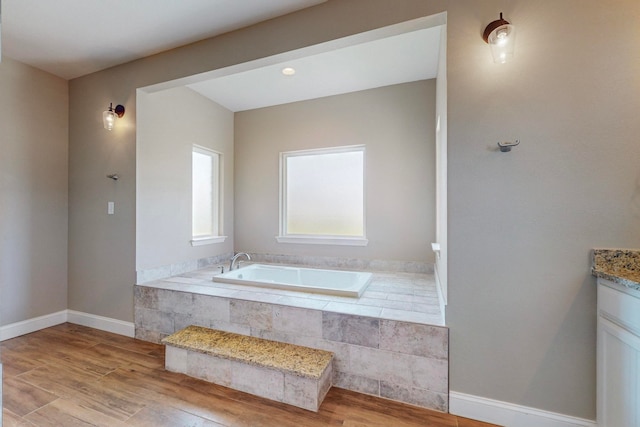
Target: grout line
{"points": [[37, 409]]}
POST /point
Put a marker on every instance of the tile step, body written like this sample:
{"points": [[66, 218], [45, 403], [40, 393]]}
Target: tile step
{"points": [[288, 373]]}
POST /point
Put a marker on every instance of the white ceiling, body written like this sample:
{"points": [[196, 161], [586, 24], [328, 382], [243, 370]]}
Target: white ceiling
{"points": [[71, 38], [392, 60]]}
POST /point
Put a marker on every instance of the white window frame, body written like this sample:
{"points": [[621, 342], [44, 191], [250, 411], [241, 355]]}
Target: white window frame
{"points": [[217, 219], [284, 237]]}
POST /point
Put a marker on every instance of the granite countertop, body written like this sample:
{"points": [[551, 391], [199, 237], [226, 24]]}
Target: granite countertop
{"points": [[295, 359], [621, 266]]}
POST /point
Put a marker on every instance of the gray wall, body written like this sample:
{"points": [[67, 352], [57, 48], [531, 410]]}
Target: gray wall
{"points": [[521, 301], [164, 145], [101, 246], [395, 123], [522, 224], [33, 192]]}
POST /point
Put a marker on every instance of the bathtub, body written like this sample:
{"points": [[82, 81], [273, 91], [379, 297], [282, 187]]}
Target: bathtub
{"points": [[330, 282]]}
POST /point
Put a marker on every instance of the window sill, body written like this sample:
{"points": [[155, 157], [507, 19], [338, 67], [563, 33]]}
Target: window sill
{"points": [[323, 240], [201, 241]]}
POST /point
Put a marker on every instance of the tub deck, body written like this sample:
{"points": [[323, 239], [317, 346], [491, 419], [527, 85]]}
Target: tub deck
{"points": [[409, 297]]}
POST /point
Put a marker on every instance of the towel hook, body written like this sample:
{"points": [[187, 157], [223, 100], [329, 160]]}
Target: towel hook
{"points": [[505, 147]]}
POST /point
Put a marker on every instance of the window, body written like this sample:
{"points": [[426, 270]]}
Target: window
{"points": [[322, 196], [206, 196]]}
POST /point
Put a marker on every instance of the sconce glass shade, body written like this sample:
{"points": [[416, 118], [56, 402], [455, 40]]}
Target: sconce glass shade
{"points": [[109, 119], [501, 36], [110, 115]]}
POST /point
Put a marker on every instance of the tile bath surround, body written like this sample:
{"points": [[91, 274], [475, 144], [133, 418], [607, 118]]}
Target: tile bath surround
{"points": [[162, 272], [165, 271], [391, 352]]}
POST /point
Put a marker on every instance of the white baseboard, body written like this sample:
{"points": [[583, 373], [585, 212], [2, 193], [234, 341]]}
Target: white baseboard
{"points": [[508, 414], [85, 319], [24, 327], [108, 324]]}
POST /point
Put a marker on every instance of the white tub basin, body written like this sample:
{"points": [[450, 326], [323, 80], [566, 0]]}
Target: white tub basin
{"points": [[330, 282]]}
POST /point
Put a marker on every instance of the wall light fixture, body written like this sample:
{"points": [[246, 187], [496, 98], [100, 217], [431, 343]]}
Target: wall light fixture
{"points": [[501, 36], [110, 115]]}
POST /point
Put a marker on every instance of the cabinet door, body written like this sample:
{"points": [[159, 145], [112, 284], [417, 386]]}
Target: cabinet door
{"points": [[618, 376]]}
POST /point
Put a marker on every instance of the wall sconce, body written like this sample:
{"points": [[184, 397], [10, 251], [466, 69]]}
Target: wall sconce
{"points": [[501, 37], [109, 116]]}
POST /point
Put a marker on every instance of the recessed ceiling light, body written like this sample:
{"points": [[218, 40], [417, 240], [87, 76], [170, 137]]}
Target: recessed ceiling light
{"points": [[288, 71]]}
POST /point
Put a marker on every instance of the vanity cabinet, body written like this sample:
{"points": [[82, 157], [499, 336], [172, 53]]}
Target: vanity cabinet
{"points": [[618, 355]]}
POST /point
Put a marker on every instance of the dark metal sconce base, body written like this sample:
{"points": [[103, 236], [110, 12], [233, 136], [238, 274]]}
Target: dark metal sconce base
{"points": [[119, 110]]}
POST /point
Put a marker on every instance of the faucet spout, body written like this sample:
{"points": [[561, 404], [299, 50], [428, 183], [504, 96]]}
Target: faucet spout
{"points": [[234, 260]]}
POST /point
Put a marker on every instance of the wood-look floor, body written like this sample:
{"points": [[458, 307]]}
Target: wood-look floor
{"points": [[71, 375]]}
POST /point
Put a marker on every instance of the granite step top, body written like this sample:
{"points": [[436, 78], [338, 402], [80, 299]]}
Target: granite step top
{"points": [[290, 358]]}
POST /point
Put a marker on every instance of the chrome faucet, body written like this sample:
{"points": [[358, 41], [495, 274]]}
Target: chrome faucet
{"points": [[234, 260]]}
